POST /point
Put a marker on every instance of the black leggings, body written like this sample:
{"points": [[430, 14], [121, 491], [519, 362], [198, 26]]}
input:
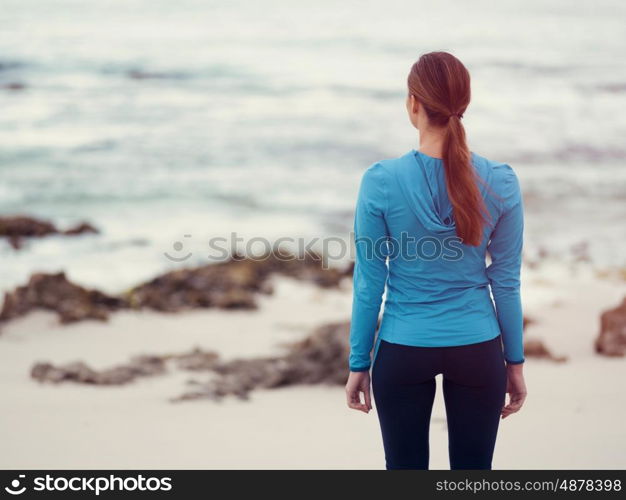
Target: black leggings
{"points": [[474, 387]]}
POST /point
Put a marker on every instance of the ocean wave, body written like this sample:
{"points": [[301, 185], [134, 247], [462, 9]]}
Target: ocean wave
{"points": [[8, 65], [568, 153], [371, 93], [614, 87]]}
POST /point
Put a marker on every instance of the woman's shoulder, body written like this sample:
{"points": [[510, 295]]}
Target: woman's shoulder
{"points": [[500, 170], [388, 165], [500, 175]]}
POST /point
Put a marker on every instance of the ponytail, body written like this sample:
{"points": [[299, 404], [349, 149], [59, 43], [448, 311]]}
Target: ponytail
{"points": [[462, 184], [442, 85]]}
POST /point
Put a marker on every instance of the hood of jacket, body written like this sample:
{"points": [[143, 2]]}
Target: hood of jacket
{"points": [[422, 181]]}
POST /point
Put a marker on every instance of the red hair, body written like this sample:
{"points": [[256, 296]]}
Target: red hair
{"points": [[441, 83]]}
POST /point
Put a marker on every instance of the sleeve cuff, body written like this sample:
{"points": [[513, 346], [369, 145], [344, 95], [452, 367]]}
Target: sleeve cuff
{"points": [[508, 362], [359, 369]]}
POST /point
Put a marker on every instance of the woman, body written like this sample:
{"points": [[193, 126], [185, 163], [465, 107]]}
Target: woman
{"points": [[424, 223]]}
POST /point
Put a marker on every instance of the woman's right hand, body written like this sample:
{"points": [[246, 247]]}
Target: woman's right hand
{"points": [[359, 382], [516, 387]]}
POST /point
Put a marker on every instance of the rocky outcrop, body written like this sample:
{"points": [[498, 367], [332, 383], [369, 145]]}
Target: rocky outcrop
{"points": [[321, 358], [54, 292], [612, 338], [16, 228], [81, 228], [233, 284], [527, 321], [141, 366], [196, 360], [535, 348], [227, 285]]}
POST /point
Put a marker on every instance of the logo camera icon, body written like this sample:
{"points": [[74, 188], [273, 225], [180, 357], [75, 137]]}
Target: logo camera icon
{"points": [[15, 489], [178, 246]]}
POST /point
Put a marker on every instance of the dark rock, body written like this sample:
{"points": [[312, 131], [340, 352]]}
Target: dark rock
{"points": [[309, 267], [527, 321], [349, 270], [147, 365], [81, 228], [235, 299], [25, 226], [228, 285], [535, 348], [612, 338], [139, 366], [321, 358], [16, 242], [17, 227], [54, 292], [197, 360], [13, 86], [79, 372], [48, 372], [76, 371], [613, 87]]}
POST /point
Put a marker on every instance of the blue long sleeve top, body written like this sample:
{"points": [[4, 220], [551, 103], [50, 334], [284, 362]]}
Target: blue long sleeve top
{"points": [[439, 292]]}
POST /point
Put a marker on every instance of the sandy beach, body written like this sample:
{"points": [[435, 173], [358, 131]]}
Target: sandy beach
{"points": [[573, 417]]}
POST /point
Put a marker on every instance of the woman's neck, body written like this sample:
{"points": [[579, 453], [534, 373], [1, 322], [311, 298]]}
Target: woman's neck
{"points": [[431, 143]]}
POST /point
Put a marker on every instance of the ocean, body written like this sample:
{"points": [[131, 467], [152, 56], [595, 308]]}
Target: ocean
{"points": [[167, 124]]}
